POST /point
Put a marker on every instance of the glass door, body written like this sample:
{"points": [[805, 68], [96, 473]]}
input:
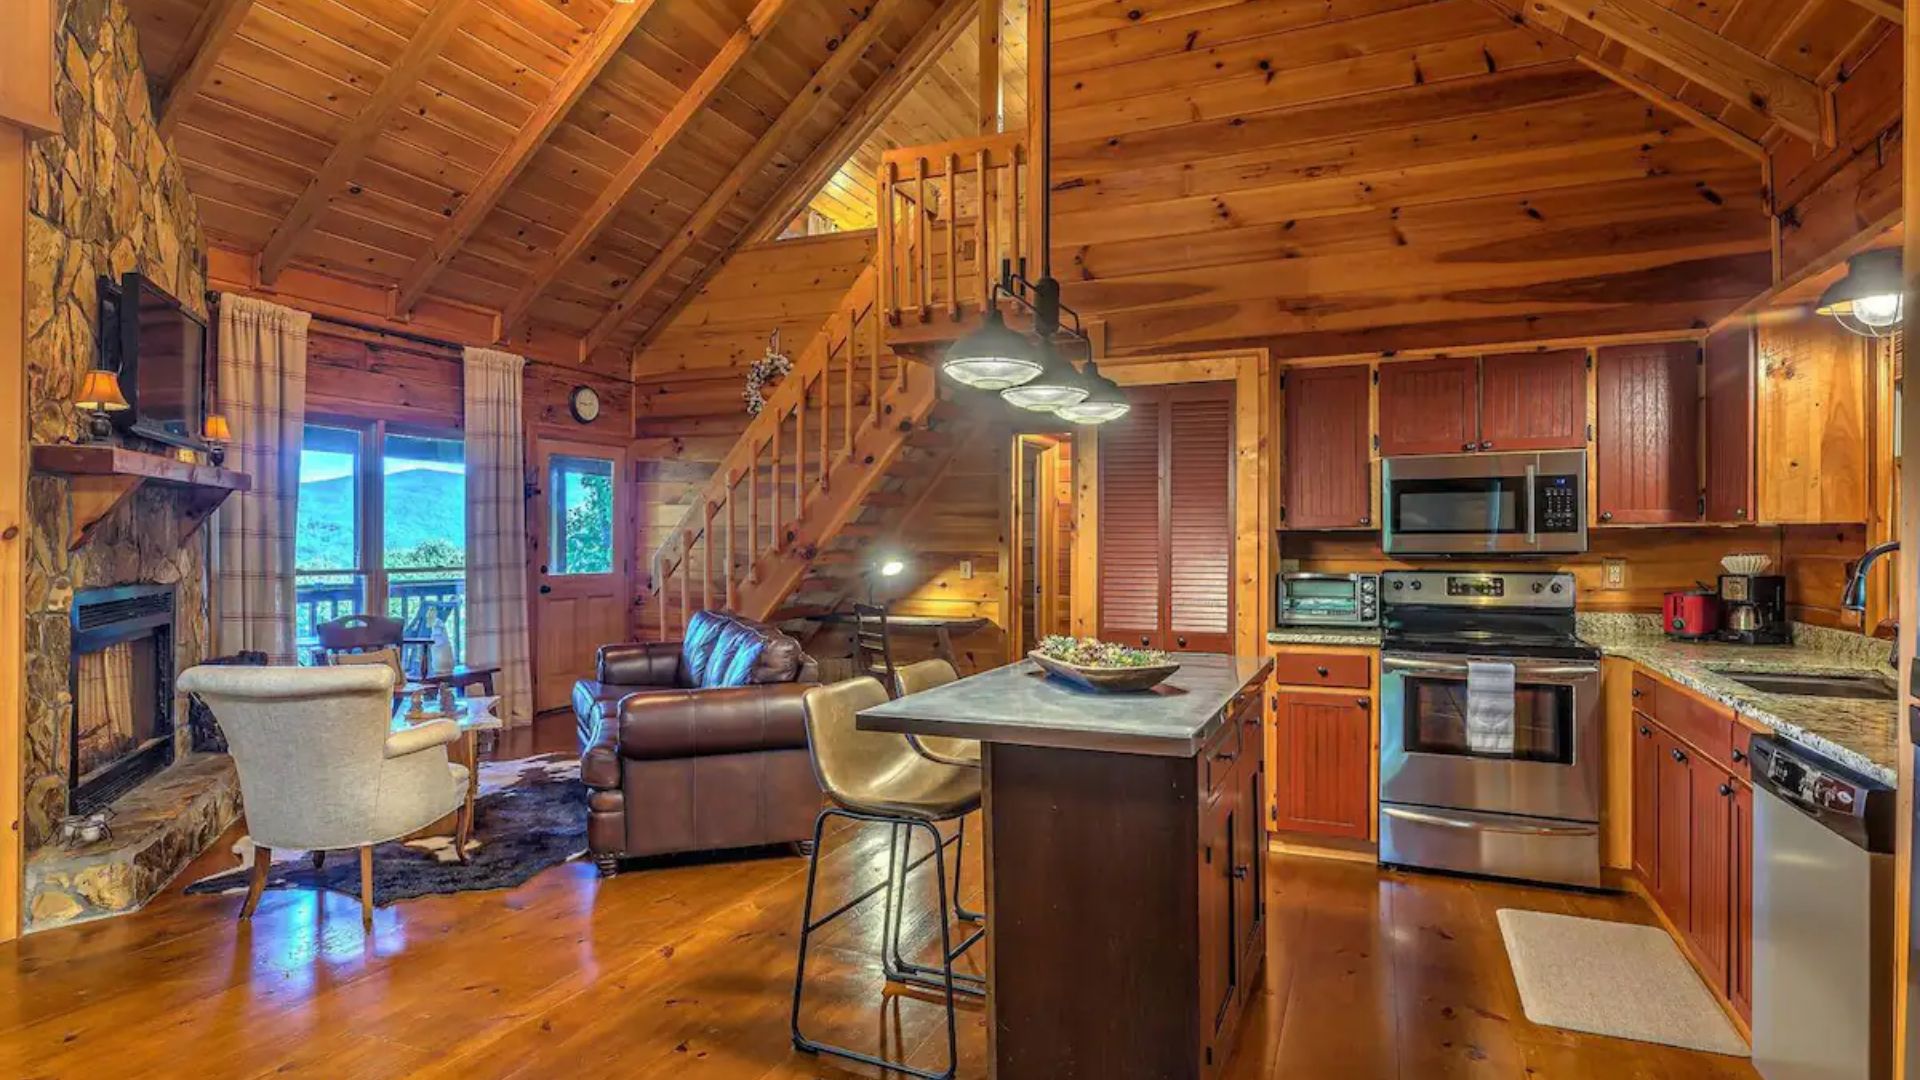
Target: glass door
{"points": [[581, 600]]}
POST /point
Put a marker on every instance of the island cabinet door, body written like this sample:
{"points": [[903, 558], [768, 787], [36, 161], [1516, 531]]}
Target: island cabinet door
{"points": [[1219, 944], [1429, 407], [1323, 749]]}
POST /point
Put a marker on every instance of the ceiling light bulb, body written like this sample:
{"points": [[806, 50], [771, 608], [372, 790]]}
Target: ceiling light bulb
{"points": [[1883, 310], [993, 357], [1093, 412]]}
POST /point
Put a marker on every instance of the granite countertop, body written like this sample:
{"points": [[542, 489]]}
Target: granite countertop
{"points": [[1361, 636], [1019, 704], [1861, 734]]}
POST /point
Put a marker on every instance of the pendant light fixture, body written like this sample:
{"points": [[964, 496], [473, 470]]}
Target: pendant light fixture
{"points": [[1029, 372], [1868, 300]]}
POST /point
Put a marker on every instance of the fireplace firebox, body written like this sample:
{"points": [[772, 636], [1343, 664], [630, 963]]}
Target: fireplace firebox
{"points": [[121, 680]]}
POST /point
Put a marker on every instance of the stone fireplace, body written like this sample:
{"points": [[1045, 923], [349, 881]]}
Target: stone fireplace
{"points": [[122, 685]]}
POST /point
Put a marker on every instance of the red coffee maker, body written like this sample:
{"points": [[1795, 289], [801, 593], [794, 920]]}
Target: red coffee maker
{"points": [[1691, 615]]}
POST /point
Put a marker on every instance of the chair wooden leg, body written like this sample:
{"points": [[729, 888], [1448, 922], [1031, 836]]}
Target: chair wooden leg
{"points": [[366, 886], [257, 880], [463, 831]]}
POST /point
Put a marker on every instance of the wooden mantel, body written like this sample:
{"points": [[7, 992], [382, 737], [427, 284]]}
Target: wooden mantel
{"points": [[100, 478]]}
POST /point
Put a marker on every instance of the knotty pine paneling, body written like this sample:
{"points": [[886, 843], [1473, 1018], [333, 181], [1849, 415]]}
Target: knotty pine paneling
{"points": [[1413, 175]]}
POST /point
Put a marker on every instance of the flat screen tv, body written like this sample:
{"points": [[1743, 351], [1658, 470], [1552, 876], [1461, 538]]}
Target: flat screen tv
{"points": [[160, 350]]}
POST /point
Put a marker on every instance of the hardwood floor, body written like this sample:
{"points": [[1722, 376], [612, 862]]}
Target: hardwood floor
{"points": [[684, 969]]}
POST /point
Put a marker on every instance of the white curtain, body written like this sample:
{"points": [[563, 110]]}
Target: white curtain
{"points": [[263, 394], [497, 530]]}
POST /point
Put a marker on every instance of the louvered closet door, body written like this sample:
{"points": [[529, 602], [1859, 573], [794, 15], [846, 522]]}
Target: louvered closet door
{"points": [[1199, 452], [1166, 520], [1131, 581]]}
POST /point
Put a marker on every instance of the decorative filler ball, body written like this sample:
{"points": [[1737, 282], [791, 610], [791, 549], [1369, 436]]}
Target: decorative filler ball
{"points": [[1092, 652]]}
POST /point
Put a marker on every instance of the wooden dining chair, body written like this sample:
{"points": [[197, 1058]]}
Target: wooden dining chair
{"points": [[873, 645], [360, 633]]}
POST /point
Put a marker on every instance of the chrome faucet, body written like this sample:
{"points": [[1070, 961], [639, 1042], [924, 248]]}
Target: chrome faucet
{"points": [[1854, 596]]}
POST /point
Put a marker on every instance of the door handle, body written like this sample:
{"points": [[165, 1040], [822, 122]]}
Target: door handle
{"points": [[545, 589]]}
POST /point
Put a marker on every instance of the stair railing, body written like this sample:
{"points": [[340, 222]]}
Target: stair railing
{"points": [[948, 215]]}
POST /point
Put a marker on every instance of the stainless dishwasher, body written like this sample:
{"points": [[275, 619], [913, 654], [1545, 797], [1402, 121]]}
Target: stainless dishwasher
{"points": [[1823, 917]]}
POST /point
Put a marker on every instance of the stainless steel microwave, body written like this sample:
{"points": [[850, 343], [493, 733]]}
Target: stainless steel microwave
{"points": [[1303, 599], [1475, 504]]}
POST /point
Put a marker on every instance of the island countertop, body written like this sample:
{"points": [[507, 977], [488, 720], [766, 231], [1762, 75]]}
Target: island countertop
{"points": [[1020, 704]]}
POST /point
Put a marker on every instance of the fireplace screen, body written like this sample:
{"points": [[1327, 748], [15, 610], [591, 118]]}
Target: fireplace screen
{"points": [[117, 707]]}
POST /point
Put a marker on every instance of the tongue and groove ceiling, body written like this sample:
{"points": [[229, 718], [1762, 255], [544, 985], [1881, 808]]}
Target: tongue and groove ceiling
{"points": [[1316, 175]]}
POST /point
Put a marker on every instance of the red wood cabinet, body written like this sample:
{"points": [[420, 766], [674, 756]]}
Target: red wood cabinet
{"points": [[1534, 401], [1327, 478], [1729, 472], [1710, 874], [1323, 748], [1646, 773], [1740, 949], [1166, 520], [1429, 407], [1673, 826], [1646, 434]]}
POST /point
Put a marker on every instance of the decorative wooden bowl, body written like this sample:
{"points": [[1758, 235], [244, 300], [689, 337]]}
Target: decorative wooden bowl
{"points": [[1110, 680]]}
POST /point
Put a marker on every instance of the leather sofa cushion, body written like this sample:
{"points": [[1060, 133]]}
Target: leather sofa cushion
{"points": [[723, 650], [667, 724]]}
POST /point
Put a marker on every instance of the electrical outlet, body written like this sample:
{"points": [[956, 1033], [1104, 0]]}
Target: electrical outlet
{"points": [[1613, 573], [966, 569]]}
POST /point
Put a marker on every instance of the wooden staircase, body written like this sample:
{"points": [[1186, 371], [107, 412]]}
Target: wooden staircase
{"points": [[847, 444]]}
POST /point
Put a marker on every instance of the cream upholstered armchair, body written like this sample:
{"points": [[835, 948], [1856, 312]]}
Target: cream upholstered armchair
{"points": [[321, 768]]}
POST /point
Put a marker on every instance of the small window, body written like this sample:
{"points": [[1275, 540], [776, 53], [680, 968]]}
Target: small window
{"points": [[329, 576], [580, 515]]}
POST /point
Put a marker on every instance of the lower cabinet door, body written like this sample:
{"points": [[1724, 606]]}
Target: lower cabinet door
{"points": [[1710, 892], [1646, 780], [1249, 849], [1219, 944], [1673, 815], [1740, 954], [1323, 748]]}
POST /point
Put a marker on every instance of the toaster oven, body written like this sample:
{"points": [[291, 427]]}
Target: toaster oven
{"points": [[1304, 599]]}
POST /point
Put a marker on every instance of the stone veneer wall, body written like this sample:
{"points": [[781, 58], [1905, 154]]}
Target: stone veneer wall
{"points": [[104, 197]]}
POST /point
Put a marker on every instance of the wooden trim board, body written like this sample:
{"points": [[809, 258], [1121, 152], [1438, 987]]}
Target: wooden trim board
{"points": [[13, 517]]}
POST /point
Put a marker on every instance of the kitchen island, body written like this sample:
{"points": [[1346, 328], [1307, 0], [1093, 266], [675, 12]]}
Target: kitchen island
{"points": [[1125, 842]]}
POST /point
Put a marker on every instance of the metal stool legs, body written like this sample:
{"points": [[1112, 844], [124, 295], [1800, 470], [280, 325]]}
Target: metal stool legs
{"points": [[897, 967], [960, 910], [895, 873]]}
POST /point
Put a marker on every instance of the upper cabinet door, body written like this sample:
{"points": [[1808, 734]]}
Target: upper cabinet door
{"points": [[1534, 401], [1729, 465], [1811, 423], [1327, 482], [1199, 455], [1429, 407], [1131, 579], [1646, 434]]}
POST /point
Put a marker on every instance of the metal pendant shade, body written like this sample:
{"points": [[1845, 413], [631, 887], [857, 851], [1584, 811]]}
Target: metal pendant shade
{"points": [[1105, 401], [1868, 300], [1056, 387], [992, 357]]}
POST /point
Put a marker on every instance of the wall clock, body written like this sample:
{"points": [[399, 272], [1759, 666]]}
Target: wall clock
{"points": [[585, 403]]}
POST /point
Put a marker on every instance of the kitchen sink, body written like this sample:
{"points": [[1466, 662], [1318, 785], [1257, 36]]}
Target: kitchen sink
{"points": [[1862, 687]]}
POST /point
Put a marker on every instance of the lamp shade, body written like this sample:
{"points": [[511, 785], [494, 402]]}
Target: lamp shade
{"points": [[1057, 386], [216, 429], [992, 357], [1104, 403], [100, 392], [1868, 300]]}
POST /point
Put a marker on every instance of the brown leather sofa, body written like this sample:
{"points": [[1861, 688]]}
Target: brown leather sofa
{"points": [[699, 744]]}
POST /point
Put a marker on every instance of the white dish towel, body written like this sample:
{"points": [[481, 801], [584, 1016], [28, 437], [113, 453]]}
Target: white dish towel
{"points": [[1489, 707]]}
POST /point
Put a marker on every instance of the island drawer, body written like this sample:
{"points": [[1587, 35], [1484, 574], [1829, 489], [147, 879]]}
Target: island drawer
{"points": [[1349, 670], [1222, 751]]}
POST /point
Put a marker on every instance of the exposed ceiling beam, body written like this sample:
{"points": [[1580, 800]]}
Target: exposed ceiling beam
{"points": [[1677, 42], [194, 63], [359, 134], [934, 38], [1886, 9], [828, 75], [627, 180], [580, 73], [931, 42], [989, 93]]}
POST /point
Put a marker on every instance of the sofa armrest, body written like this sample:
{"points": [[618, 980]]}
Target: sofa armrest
{"points": [[420, 737], [666, 724], [639, 663], [600, 749]]}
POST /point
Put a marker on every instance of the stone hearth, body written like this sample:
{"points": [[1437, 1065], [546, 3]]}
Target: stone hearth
{"points": [[157, 829]]}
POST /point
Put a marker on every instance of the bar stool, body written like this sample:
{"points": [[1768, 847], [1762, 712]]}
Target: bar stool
{"points": [[873, 644], [965, 753], [878, 777]]}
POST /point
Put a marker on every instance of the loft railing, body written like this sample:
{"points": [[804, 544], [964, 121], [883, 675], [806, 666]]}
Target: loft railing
{"points": [[949, 215], [784, 461]]}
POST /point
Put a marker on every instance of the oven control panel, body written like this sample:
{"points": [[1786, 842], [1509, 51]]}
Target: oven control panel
{"points": [[1477, 589]]}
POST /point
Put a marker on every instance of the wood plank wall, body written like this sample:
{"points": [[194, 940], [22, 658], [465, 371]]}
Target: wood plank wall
{"points": [[1824, 197]]}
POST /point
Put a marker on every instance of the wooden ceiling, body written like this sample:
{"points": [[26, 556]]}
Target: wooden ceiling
{"points": [[1333, 176], [578, 166]]}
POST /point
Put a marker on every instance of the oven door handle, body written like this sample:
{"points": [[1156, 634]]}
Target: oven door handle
{"points": [[1420, 818], [1521, 668], [1533, 533]]}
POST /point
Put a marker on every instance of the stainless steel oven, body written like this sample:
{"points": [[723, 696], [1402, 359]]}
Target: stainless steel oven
{"points": [[1305, 599], [1489, 727], [1466, 504]]}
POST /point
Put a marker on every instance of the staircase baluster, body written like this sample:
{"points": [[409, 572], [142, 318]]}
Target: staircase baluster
{"points": [[873, 378], [953, 235], [983, 253], [733, 600], [887, 302], [846, 403], [686, 613], [923, 250], [774, 541], [660, 589], [753, 514], [825, 381], [800, 450], [706, 564]]}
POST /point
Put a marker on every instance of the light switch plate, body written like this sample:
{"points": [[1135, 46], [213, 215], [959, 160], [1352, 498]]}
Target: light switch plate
{"points": [[1613, 573], [966, 569]]}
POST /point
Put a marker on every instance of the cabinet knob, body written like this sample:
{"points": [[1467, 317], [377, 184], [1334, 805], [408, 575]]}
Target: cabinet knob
{"points": [[1362, 702], [1466, 446], [1739, 756], [1645, 731], [1366, 519], [1637, 693], [1320, 671], [1180, 641], [1486, 445], [1679, 755], [1606, 515], [1145, 641], [1740, 512], [1725, 790], [1240, 872]]}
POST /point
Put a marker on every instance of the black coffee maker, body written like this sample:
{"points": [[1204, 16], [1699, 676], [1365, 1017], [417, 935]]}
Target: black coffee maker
{"points": [[1753, 609]]}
